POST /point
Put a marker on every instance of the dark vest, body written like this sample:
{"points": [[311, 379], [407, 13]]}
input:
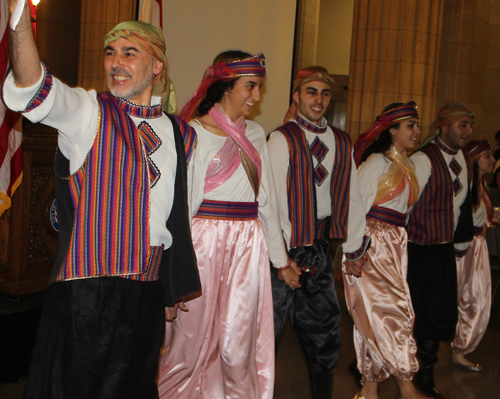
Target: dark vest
{"points": [[302, 190], [432, 218]]}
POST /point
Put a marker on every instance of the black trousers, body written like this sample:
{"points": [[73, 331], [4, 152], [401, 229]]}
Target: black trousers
{"points": [[98, 338], [313, 309], [432, 278]]}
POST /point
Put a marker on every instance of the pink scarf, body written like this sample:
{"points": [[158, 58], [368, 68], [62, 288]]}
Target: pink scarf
{"points": [[236, 148]]}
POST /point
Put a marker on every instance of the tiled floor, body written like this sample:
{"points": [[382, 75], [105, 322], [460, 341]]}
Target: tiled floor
{"points": [[292, 381]]}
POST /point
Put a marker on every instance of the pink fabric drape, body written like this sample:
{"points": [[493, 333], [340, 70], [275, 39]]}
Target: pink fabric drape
{"points": [[380, 305], [474, 296], [224, 346]]}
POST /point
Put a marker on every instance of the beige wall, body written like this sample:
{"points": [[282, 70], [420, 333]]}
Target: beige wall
{"points": [[197, 30], [491, 97], [334, 35]]}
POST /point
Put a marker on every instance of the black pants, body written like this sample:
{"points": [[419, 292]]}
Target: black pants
{"points": [[314, 311], [432, 278], [98, 338]]}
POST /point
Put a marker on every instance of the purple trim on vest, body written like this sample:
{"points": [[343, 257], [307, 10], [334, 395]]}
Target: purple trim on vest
{"points": [[432, 219], [227, 210], [356, 255], [153, 265], [478, 230], [301, 190], [387, 215], [151, 143], [43, 91], [443, 147], [140, 111], [308, 125], [111, 197]]}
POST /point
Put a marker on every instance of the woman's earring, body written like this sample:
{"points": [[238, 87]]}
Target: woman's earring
{"points": [[226, 93]]}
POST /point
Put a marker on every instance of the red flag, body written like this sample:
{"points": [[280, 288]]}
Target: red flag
{"points": [[11, 150]]}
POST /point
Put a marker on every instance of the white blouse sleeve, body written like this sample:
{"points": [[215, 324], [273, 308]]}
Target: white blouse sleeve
{"points": [[368, 175], [356, 243], [278, 152], [269, 212]]}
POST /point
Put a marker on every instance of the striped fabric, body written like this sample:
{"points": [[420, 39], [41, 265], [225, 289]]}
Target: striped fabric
{"points": [[111, 201], [445, 148], [432, 219], [351, 256], [320, 174], [43, 92], [456, 169], [457, 186], [152, 267], [387, 215], [301, 186], [140, 111], [319, 149], [189, 136], [340, 185], [227, 210], [151, 143], [251, 66], [308, 125]]}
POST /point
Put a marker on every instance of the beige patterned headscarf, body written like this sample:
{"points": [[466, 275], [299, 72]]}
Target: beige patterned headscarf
{"points": [[151, 39]]}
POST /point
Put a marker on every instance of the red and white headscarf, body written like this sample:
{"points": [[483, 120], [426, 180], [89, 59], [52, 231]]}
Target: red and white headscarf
{"points": [[226, 71]]}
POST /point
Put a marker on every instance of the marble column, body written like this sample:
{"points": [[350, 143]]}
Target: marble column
{"points": [[306, 35], [97, 18], [394, 58]]}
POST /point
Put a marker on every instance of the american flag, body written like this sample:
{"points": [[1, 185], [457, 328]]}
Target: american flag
{"points": [[11, 148]]}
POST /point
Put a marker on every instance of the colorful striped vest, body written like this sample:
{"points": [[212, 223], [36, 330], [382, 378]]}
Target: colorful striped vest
{"points": [[104, 207], [302, 190], [432, 218]]}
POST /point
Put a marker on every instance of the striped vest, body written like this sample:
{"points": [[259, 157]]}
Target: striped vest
{"points": [[432, 218], [104, 206], [302, 190]]}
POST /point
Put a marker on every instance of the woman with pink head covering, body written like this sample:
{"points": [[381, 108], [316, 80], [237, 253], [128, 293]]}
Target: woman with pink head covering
{"points": [[224, 345]]}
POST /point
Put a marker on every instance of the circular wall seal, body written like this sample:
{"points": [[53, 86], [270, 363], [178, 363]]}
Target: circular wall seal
{"points": [[53, 216]]}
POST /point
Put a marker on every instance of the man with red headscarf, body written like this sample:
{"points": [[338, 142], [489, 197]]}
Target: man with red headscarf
{"points": [[125, 249], [441, 217], [318, 195]]}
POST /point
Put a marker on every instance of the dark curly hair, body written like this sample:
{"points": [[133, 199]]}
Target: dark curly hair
{"points": [[216, 91], [384, 141]]}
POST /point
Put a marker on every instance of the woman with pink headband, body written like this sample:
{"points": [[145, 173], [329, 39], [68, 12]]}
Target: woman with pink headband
{"points": [[378, 297], [473, 269], [224, 345]]}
